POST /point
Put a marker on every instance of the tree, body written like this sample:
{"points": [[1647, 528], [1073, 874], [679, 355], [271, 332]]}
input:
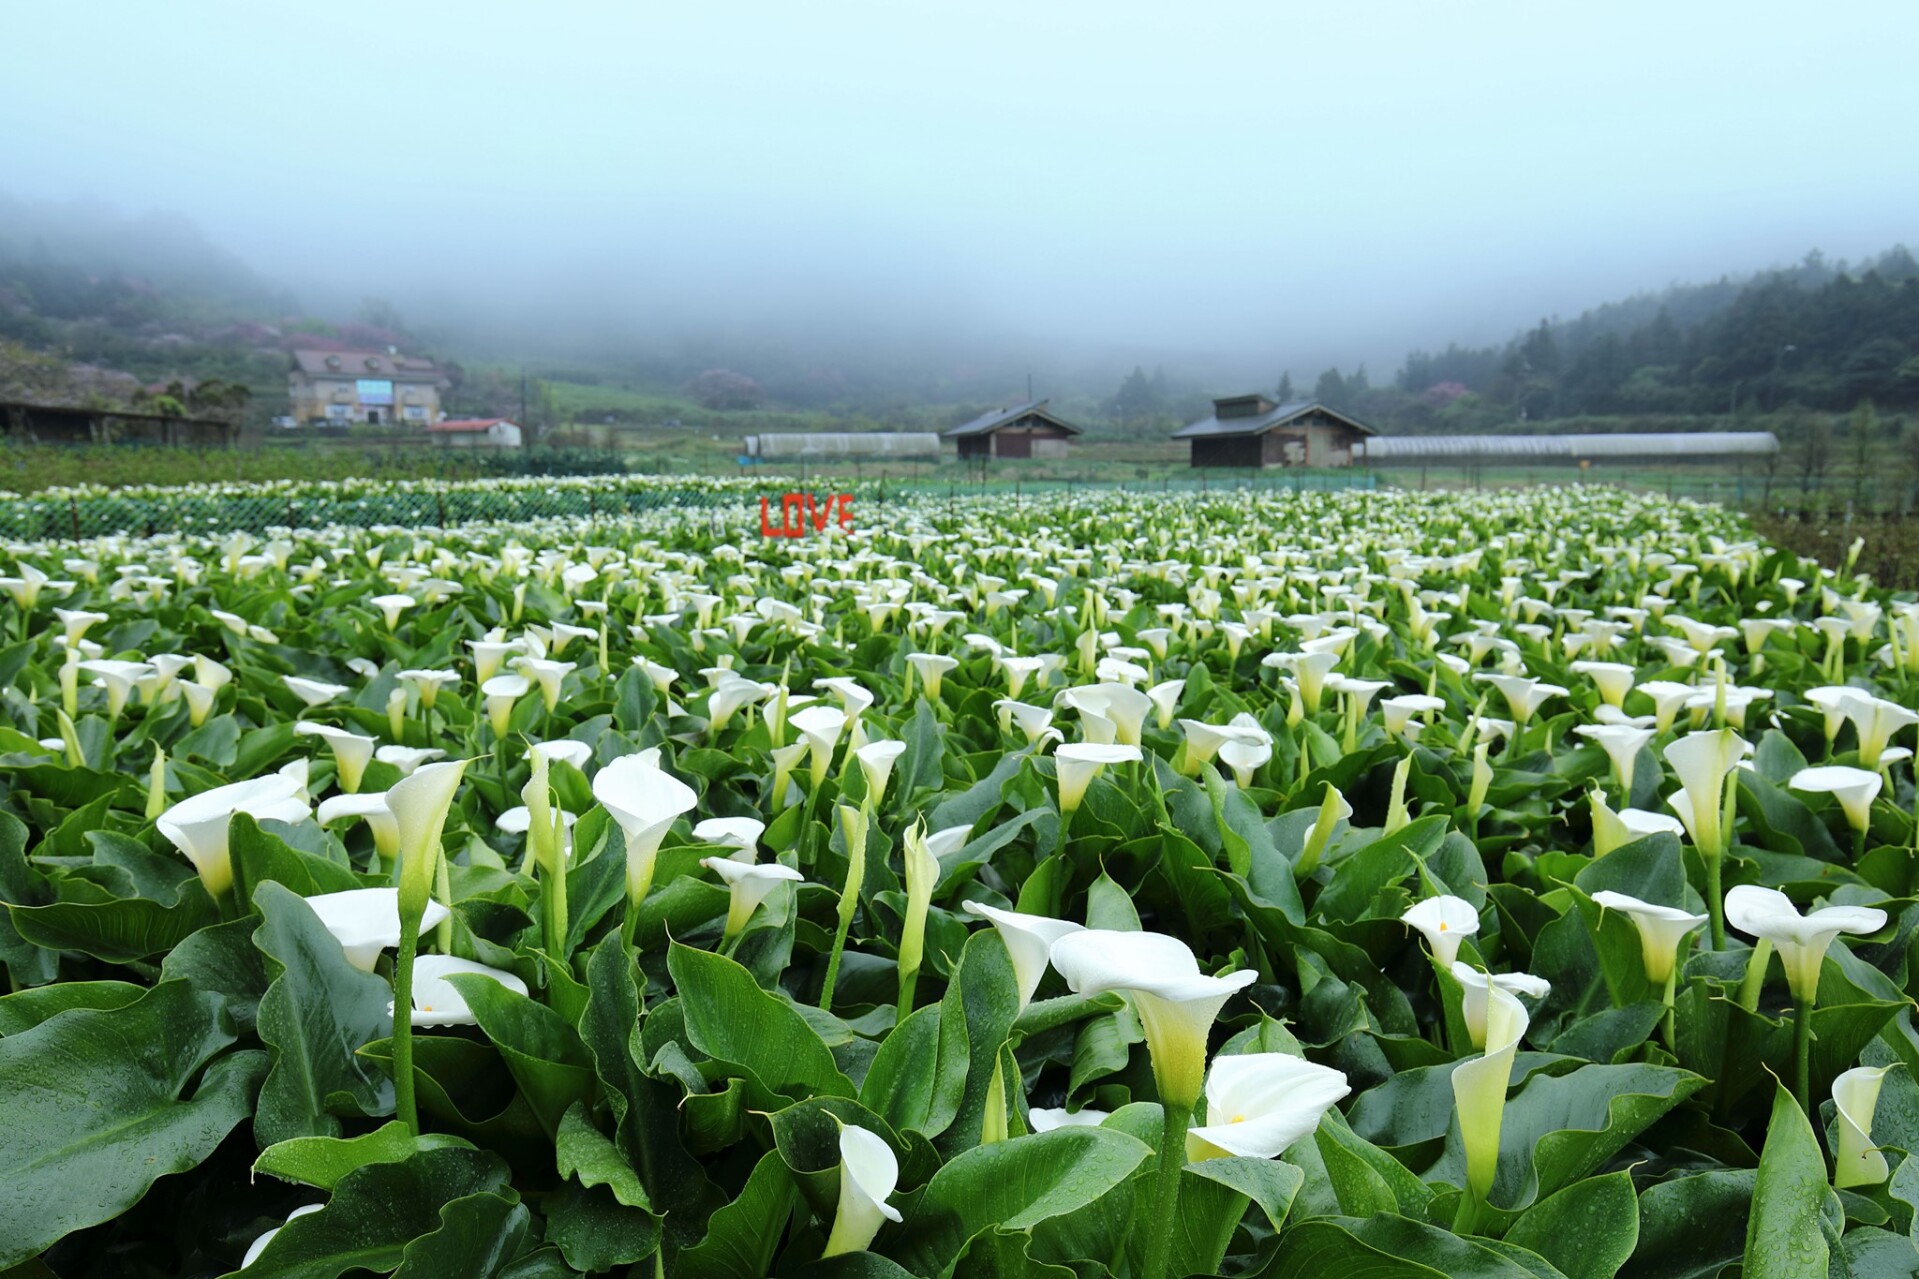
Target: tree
{"points": [[724, 391], [1136, 402], [1812, 448], [1286, 394], [1330, 390], [1862, 429]]}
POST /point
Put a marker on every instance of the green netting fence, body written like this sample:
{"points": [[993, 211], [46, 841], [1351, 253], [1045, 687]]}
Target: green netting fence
{"points": [[83, 513]]}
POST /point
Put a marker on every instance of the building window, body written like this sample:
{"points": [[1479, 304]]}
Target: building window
{"points": [[415, 412], [338, 412]]}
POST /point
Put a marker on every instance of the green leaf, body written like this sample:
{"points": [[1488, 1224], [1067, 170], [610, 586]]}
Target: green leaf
{"points": [[375, 1212], [1783, 1236], [645, 1123], [1365, 1178], [742, 1236], [317, 1014], [1267, 1182], [1014, 1184], [1693, 1227], [1559, 1128], [746, 1030], [478, 1234], [100, 1104], [120, 931], [28, 1008], [1588, 1230], [543, 1053], [976, 1015], [323, 1161], [912, 1083], [1388, 1247], [595, 1231], [583, 1151]]}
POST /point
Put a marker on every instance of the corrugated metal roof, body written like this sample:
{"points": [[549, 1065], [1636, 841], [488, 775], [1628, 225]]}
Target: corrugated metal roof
{"points": [[1217, 426], [1398, 448], [996, 418], [844, 444]]}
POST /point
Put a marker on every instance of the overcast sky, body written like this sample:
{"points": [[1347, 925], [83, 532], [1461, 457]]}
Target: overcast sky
{"points": [[1271, 182]]}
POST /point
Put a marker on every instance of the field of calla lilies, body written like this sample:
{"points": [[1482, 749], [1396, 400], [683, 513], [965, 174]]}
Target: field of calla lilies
{"points": [[1494, 885]]}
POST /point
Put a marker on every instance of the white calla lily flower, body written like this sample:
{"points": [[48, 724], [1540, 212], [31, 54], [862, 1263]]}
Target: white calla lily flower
{"points": [[645, 800], [1855, 1160], [1478, 987], [1854, 788], [869, 1173], [437, 1003], [1258, 1104], [1661, 930], [1444, 921], [1077, 763], [748, 885], [197, 825], [1176, 1002], [366, 921], [1802, 940]]}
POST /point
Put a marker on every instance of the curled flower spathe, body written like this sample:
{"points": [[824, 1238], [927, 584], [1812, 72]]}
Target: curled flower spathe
{"points": [[1258, 1104]]}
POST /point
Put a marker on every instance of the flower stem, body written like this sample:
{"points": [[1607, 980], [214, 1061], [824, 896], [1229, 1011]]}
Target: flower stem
{"points": [[1466, 1217], [833, 960], [403, 1024], [1665, 1018], [1165, 1220], [1802, 1056], [1715, 901]]}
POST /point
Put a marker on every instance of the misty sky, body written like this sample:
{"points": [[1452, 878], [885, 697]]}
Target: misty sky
{"points": [[1255, 184]]}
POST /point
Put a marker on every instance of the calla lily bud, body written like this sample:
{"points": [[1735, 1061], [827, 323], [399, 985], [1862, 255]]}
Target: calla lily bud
{"points": [[1258, 1104], [1333, 809], [1176, 1002], [157, 783], [1444, 921], [420, 804], [1482, 780], [922, 876], [869, 1173], [1479, 1089], [1856, 1161]]}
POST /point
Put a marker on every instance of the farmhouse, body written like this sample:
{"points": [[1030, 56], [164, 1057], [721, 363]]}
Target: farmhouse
{"points": [[376, 388], [1024, 431], [1250, 430], [477, 433]]}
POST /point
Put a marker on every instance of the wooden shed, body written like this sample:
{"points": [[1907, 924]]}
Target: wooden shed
{"points": [[1024, 431], [1251, 431]]}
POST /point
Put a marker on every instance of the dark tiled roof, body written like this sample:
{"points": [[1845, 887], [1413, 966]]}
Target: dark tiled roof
{"points": [[357, 364], [1213, 427], [986, 423]]}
